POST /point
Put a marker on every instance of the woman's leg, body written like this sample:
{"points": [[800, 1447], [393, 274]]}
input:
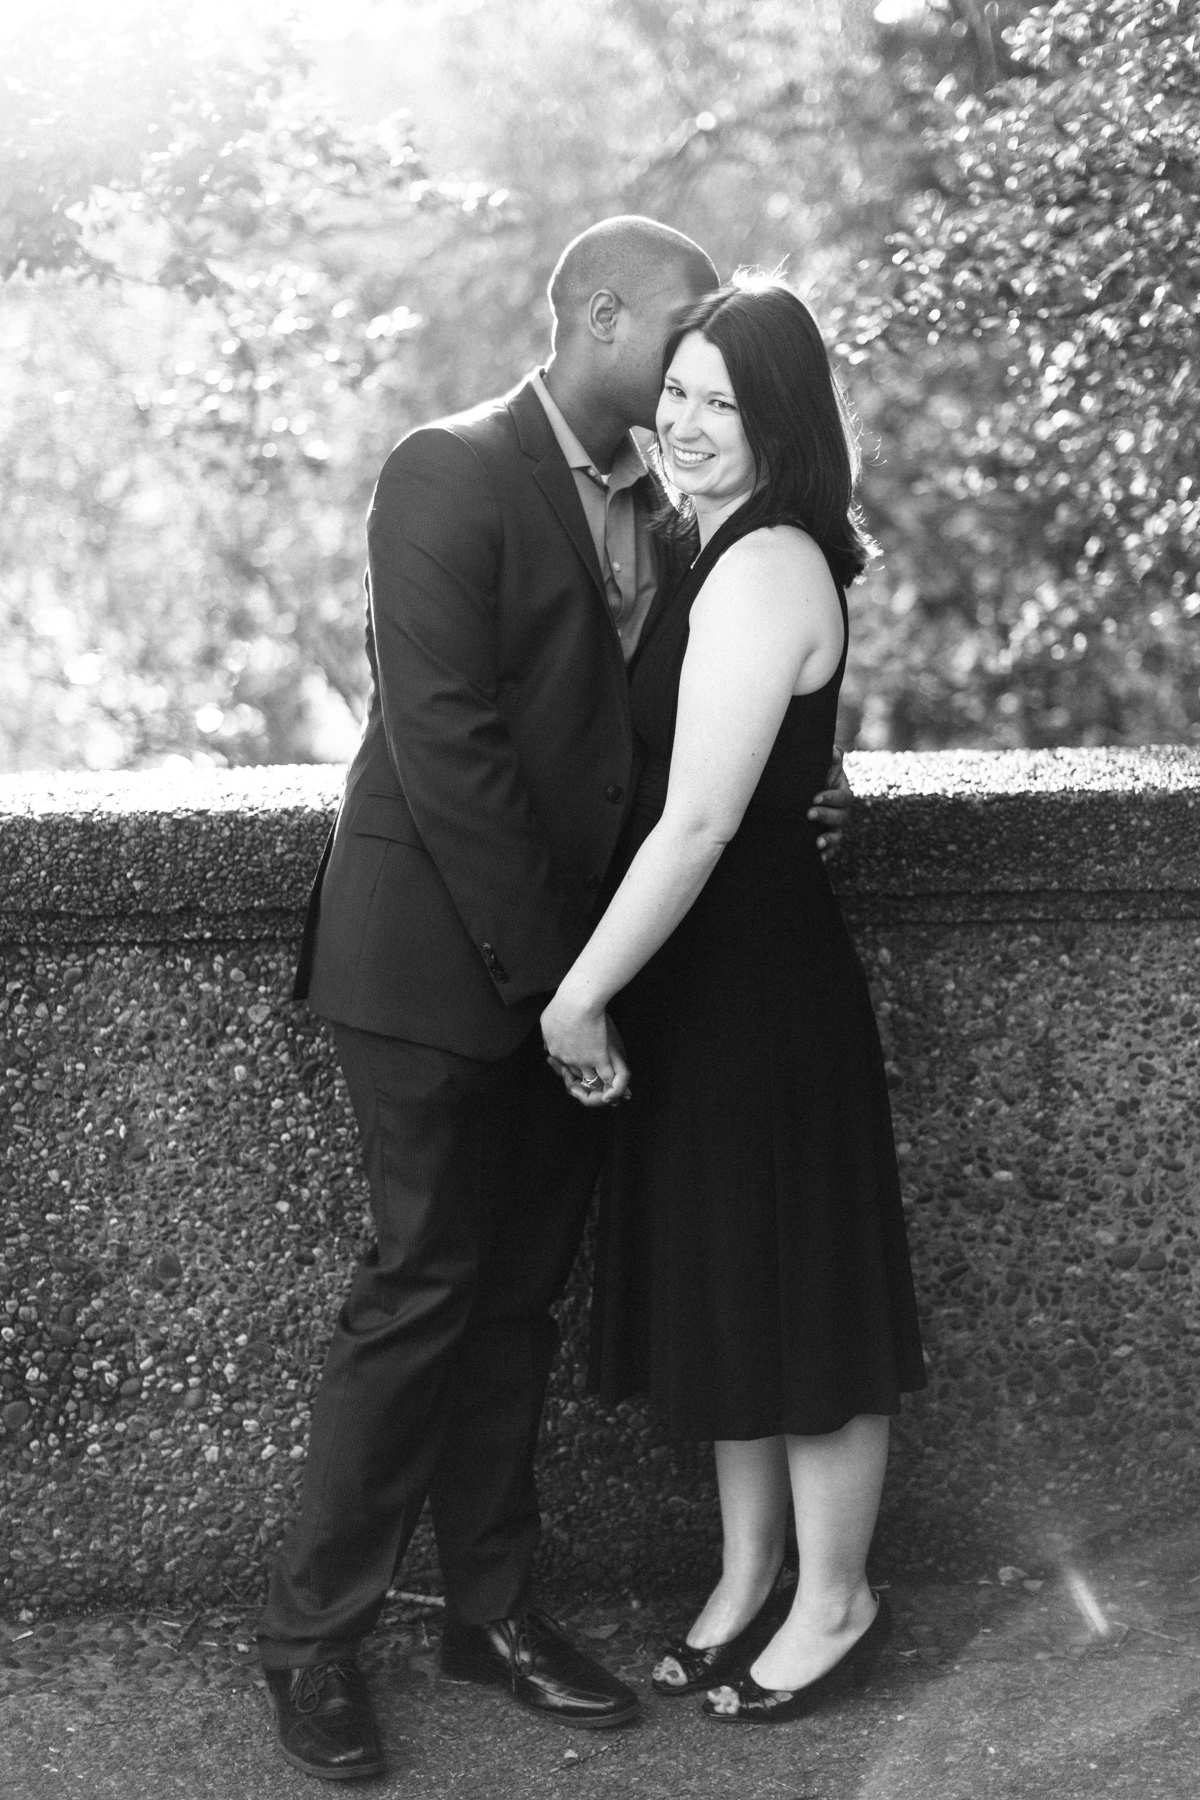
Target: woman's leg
{"points": [[836, 1484], [752, 1480]]}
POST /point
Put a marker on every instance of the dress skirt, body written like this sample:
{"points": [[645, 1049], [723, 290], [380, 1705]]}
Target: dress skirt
{"points": [[752, 1264]]}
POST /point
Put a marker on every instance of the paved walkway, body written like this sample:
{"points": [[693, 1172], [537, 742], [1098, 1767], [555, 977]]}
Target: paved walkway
{"points": [[1052, 1685]]}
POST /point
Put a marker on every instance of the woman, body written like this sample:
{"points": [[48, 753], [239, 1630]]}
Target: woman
{"points": [[753, 1270]]}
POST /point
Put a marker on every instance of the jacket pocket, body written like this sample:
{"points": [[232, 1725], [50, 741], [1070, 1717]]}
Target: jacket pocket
{"points": [[385, 816]]}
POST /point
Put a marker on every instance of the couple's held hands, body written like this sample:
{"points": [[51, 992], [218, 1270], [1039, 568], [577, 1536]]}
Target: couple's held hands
{"points": [[830, 808], [584, 1047]]}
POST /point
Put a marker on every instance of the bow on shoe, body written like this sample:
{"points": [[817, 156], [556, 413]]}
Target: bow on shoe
{"points": [[758, 1705]]}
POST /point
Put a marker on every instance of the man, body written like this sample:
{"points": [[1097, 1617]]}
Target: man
{"points": [[511, 573]]}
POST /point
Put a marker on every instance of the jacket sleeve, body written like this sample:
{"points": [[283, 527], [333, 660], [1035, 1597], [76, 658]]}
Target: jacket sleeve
{"points": [[435, 539]]}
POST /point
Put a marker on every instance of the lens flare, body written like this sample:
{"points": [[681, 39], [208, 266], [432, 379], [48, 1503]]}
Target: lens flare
{"points": [[1087, 1603]]}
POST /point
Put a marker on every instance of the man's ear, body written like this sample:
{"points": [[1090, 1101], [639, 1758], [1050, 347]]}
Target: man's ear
{"points": [[602, 311]]}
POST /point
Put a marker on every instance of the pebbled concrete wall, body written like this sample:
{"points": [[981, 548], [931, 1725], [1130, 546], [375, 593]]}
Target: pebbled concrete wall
{"points": [[180, 1203]]}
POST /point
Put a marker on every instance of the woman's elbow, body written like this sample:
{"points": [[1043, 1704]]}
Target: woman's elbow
{"points": [[701, 836]]}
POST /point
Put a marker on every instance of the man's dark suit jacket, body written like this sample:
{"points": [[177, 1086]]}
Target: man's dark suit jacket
{"points": [[488, 792]]}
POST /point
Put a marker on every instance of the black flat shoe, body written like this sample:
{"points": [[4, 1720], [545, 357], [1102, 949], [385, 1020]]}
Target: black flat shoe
{"points": [[536, 1661], [324, 1722], [709, 1667], [776, 1706]]}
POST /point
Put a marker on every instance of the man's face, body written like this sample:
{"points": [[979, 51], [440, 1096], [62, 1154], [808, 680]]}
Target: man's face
{"points": [[642, 333]]}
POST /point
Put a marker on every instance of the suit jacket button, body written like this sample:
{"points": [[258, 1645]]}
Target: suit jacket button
{"points": [[591, 883], [615, 794]]}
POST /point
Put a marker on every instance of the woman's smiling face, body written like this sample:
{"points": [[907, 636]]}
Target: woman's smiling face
{"points": [[704, 448]]}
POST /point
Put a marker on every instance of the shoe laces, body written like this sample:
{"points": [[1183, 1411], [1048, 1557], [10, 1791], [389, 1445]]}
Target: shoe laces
{"points": [[313, 1680], [533, 1631]]}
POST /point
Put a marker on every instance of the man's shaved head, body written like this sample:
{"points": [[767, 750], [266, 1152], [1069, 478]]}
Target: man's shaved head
{"points": [[617, 294], [629, 257]]}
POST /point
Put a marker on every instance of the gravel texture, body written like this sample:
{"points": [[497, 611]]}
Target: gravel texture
{"points": [[160, 857], [182, 1207], [957, 836]]}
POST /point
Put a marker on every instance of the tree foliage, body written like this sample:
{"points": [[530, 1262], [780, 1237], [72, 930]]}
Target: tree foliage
{"points": [[1055, 272], [195, 363], [224, 304]]}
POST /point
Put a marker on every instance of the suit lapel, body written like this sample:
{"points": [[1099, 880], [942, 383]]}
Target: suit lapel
{"points": [[555, 478], [557, 482]]}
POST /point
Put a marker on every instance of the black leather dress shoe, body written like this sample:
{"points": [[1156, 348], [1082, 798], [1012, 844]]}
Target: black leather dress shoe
{"points": [[324, 1722], [535, 1660]]}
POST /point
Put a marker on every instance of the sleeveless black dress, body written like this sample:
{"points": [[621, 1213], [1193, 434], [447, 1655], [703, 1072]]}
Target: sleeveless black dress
{"points": [[752, 1267]]}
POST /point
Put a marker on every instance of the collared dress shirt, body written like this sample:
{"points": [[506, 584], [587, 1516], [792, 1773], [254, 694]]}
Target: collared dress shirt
{"points": [[624, 543]]}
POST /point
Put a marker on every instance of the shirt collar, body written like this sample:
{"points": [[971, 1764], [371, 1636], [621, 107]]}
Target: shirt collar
{"points": [[629, 465]]}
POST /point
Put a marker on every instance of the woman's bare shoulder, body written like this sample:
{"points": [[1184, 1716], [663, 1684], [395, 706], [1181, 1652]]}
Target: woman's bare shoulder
{"points": [[784, 554]]}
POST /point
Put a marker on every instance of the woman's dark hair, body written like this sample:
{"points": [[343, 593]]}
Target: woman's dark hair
{"points": [[793, 412]]}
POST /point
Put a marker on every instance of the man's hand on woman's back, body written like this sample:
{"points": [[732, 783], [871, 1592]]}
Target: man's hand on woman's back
{"points": [[830, 808]]}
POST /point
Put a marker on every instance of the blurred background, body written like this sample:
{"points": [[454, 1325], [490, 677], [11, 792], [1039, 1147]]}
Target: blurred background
{"points": [[243, 249]]}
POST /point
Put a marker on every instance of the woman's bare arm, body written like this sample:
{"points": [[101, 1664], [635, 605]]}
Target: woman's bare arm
{"points": [[766, 622]]}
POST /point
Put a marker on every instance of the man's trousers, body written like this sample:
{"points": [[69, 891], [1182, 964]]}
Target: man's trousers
{"points": [[481, 1174]]}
